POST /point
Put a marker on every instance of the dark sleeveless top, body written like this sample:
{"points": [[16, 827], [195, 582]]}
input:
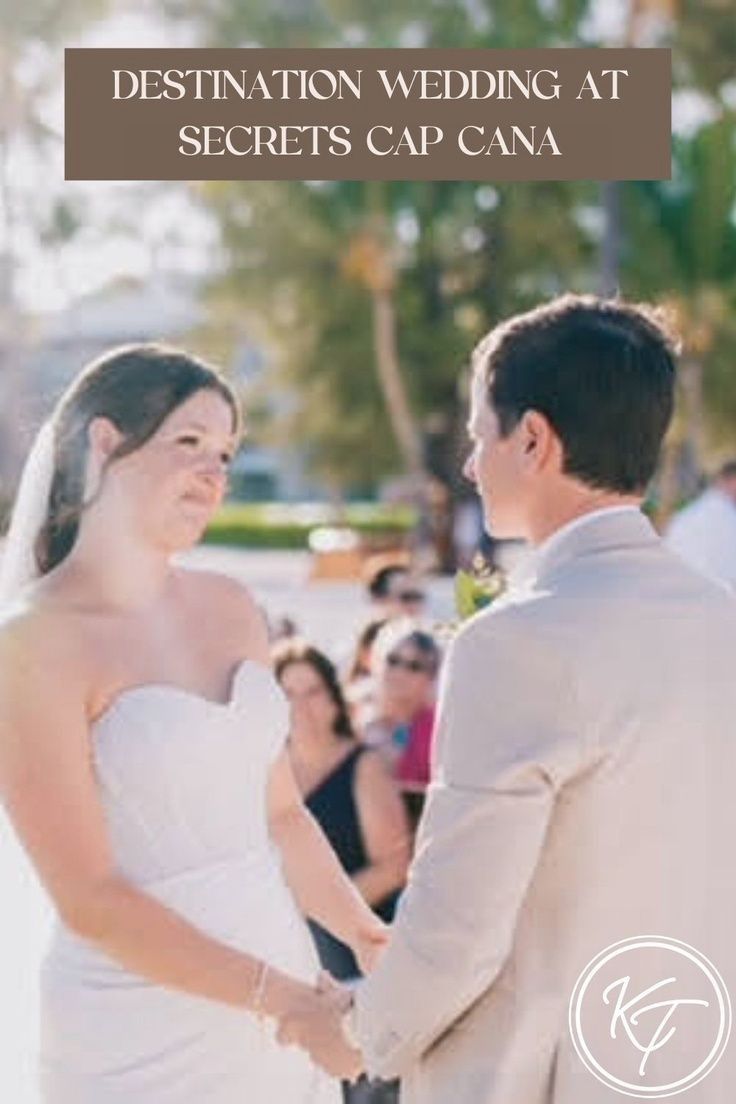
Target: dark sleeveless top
{"points": [[333, 805]]}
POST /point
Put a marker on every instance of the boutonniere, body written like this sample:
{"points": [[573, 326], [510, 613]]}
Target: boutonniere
{"points": [[477, 588]]}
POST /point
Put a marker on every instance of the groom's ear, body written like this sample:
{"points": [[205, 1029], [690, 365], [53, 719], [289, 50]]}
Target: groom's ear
{"points": [[540, 444]]}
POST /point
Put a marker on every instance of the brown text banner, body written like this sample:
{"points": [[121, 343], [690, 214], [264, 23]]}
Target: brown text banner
{"points": [[367, 114]]}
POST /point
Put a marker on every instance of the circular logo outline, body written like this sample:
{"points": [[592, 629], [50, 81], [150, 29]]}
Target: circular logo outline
{"points": [[625, 1088]]}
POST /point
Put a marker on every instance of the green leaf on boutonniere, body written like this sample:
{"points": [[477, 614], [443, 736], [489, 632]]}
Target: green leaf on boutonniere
{"points": [[474, 591]]}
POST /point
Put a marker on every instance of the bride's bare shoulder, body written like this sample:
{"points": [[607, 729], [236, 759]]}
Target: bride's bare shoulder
{"points": [[37, 640], [215, 587], [225, 601]]}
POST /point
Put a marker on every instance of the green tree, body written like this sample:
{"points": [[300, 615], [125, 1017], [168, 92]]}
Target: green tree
{"points": [[681, 248], [373, 293]]}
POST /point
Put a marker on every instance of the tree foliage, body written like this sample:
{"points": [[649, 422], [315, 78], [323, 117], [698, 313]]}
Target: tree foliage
{"points": [[305, 258]]}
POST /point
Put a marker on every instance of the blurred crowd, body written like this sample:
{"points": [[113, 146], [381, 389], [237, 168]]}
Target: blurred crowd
{"points": [[361, 747]]}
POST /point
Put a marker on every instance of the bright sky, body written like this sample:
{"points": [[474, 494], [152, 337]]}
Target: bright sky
{"points": [[129, 227]]}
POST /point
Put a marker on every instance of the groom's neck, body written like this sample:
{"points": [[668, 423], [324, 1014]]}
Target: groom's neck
{"points": [[555, 511]]}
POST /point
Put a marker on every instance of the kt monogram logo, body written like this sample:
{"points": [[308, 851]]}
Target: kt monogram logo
{"points": [[650, 1017]]}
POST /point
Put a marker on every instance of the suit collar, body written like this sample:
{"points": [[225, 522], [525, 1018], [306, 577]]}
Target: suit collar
{"points": [[601, 530]]}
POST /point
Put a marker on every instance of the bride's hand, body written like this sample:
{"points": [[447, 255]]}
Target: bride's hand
{"points": [[313, 1020], [370, 943]]}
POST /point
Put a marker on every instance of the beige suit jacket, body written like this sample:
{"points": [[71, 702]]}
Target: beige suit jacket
{"points": [[583, 794]]}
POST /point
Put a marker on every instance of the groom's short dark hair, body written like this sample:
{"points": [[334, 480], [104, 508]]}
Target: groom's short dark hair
{"points": [[600, 370]]}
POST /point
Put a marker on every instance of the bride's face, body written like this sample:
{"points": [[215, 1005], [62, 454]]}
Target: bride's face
{"points": [[170, 487]]}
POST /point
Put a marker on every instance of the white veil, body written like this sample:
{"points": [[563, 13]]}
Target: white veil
{"points": [[29, 510], [27, 912]]}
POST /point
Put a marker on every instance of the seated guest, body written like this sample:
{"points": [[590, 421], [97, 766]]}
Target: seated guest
{"points": [[362, 662], [408, 662], [394, 592], [360, 681], [346, 787]]}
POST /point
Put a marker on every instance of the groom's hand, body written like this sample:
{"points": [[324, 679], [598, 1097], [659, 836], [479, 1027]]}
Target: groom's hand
{"points": [[313, 1022]]}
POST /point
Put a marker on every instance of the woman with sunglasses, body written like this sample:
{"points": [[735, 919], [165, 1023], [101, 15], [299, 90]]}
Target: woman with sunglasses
{"points": [[408, 661]]}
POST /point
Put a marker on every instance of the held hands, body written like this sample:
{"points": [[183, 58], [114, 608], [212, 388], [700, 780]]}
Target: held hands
{"points": [[312, 1020]]}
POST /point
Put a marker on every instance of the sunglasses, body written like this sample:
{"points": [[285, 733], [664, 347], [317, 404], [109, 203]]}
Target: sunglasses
{"points": [[414, 665], [410, 596]]}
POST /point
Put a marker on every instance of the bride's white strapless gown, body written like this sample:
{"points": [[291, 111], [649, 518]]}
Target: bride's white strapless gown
{"points": [[183, 783]]}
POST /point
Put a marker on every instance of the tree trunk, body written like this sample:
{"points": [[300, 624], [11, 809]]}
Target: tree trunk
{"points": [[691, 380], [669, 478], [685, 442], [610, 254], [392, 384]]}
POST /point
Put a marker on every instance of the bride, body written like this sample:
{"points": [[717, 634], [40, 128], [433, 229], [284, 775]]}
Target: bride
{"points": [[143, 767]]}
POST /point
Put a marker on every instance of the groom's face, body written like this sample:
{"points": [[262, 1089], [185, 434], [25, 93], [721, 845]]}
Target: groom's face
{"points": [[494, 466]]}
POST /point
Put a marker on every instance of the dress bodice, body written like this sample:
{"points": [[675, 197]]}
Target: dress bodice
{"points": [[183, 784], [183, 779]]}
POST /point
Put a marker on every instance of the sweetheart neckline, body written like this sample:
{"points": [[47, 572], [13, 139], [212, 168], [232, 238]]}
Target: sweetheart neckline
{"points": [[182, 691]]}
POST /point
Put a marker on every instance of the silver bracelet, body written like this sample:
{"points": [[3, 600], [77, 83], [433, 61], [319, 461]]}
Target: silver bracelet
{"points": [[259, 988]]}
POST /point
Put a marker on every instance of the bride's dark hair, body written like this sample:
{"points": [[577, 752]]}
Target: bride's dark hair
{"points": [[136, 387]]}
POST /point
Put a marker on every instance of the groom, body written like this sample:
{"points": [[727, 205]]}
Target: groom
{"points": [[584, 764]]}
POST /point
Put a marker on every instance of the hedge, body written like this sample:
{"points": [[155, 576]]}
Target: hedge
{"points": [[287, 526]]}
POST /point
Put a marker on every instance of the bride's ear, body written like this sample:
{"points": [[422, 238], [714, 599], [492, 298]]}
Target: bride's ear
{"points": [[103, 438]]}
